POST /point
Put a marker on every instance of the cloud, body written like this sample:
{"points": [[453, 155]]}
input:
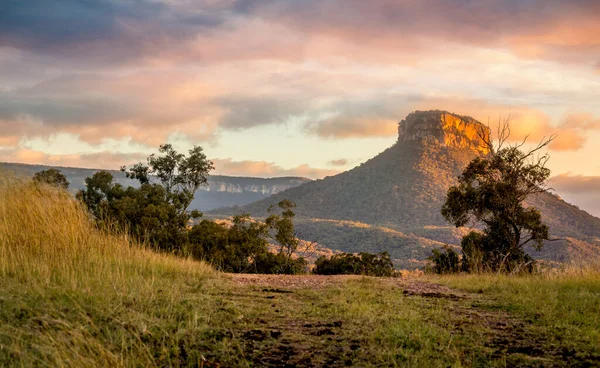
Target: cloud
{"points": [[104, 31], [97, 160], [228, 166], [576, 183], [249, 111], [580, 190], [338, 162], [555, 30], [108, 32], [146, 107]]}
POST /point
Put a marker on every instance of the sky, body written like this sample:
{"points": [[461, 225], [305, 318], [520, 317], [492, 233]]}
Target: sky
{"points": [[294, 87]]}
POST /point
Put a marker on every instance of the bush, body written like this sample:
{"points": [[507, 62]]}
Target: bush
{"points": [[446, 261], [52, 177], [349, 264], [229, 249], [279, 263], [241, 248]]}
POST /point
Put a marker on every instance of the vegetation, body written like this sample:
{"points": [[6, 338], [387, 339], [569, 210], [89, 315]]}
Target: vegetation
{"points": [[282, 231], [241, 248], [492, 191], [444, 261], [72, 295], [403, 189], [157, 214], [52, 177], [349, 264]]}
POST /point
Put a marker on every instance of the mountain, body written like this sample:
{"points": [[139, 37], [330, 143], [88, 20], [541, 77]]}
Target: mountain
{"points": [[222, 191], [402, 190]]}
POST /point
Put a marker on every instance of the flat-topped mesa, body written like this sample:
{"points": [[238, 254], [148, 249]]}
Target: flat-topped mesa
{"points": [[447, 129]]}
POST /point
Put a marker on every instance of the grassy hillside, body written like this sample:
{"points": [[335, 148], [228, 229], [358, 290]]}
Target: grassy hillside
{"points": [[73, 296]]}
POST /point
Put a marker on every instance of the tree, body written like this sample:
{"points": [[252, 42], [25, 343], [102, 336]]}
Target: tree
{"points": [[52, 177], [445, 261], [491, 192], [181, 176], [283, 232], [156, 212], [283, 227], [229, 249]]}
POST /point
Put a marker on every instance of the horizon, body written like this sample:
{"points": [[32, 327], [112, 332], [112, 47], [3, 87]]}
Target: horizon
{"points": [[260, 84]]}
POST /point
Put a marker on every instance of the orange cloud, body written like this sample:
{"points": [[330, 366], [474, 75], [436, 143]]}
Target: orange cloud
{"points": [[265, 169], [355, 127], [100, 160]]}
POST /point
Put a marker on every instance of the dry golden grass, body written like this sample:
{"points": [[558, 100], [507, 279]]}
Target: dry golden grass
{"points": [[71, 295], [47, 237]]}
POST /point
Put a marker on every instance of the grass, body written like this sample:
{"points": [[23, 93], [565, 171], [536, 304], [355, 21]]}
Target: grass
{"points": [[71, 295], [565, 307], [74, 296]]}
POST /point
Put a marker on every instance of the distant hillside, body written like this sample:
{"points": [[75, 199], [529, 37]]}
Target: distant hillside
{"points": [[222, 191], [403, 189]]}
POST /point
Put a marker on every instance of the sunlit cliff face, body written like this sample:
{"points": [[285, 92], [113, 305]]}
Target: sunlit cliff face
{"points": [[448, 129]]}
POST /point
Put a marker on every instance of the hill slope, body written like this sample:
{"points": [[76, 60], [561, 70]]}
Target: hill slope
{"points": [[74, 296], [404, 187]]}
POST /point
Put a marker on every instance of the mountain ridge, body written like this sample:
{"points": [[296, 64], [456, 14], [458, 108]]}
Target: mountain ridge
{"points": [[222, 190], [404, 187]]}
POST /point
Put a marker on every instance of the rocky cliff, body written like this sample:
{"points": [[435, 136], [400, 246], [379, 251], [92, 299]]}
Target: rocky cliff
{"points": [[444, 129]]}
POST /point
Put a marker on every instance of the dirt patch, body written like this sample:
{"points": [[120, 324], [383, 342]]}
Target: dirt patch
{"points": [[428, 290], [285, 283], [300, 344]]}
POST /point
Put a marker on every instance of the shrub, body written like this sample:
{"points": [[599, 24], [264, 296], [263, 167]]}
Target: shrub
{"points": [[52, 177], [243, 247], [278, 263], [349, 264], [445, 261]]}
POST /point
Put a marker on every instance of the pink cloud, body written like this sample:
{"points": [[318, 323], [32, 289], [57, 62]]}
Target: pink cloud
{"points": [[580, 190], [265, 169], [100, 160]]}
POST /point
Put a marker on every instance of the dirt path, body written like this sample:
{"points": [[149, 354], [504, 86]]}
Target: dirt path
{"points": [[506, 335]]}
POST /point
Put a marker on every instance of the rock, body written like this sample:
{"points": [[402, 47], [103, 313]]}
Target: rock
{"points": [[444, 128]]}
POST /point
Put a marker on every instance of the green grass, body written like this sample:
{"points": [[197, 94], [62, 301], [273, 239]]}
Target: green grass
{"points": [[564, 307], [73, 296]]}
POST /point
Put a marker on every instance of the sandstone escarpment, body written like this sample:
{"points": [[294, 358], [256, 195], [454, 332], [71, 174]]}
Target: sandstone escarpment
{"points": [[444, 128]]}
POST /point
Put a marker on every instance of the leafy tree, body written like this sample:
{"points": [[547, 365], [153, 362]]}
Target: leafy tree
{"points": [[144, 212], [97, 193], [156, 212], [239, 248], [349, 264], [229, 249], [279, 263], [181, 176], [446, 261], [282, 231], [52, 177], [491, 191]]}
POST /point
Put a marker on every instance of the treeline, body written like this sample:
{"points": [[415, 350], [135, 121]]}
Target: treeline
{"points": [[156, 214]]}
